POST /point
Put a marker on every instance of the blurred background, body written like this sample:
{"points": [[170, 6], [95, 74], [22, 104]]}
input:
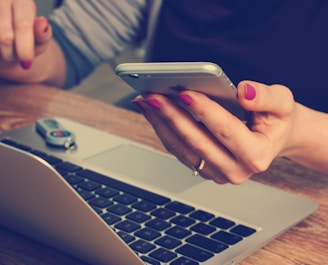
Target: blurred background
{"points": [[103, 84]]}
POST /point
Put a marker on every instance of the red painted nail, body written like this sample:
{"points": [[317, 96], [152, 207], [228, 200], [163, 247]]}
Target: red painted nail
{"points": [[26, 64], [250, 92], [153, 103], [186, 99], [46, 29]]}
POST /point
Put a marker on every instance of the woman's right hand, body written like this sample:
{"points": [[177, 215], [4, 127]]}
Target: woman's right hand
{"points": [[23, 35], [222, 146]]}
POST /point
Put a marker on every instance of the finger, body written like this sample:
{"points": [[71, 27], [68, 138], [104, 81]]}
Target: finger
{"points": [[43, 34], [6, 32], [42, 30], [195, 137], [245, 151], [225, 127], [177, 146], [24, 13], [258, 97], [171, 140]]}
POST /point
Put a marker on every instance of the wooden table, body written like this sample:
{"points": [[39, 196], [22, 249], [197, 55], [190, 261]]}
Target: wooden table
{"points": [[306, 243]]}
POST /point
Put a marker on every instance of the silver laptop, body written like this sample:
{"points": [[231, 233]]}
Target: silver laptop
{"points": [[114, 201]]}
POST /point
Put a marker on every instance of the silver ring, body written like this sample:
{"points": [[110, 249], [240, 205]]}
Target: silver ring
{"points": [[198, 168]]}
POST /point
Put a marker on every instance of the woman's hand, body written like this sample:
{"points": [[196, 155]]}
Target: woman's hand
{"points": [[23, 36], [232, 150]]}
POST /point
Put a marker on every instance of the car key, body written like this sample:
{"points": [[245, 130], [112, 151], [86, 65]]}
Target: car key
{"points": [[55, 134]]}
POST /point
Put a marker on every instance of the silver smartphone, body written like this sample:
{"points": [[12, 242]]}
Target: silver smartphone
{"points": [[172, 78]]}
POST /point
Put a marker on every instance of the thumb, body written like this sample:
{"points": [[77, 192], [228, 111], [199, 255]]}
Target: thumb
{"points": [[256, 97]]}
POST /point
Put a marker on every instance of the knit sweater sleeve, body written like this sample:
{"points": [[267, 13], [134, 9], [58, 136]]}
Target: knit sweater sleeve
{"points": [[94, 32]]}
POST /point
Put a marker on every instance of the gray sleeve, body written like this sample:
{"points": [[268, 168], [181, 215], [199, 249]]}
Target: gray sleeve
{"points": [[97, 30]]}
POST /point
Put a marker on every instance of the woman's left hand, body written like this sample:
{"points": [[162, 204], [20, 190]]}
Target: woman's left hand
{"points": [[232, 151]]}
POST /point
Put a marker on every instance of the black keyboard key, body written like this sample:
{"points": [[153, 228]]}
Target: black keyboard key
{"points": [[97, 210], [142, 246], [116, 184], [52, 160], [23, 147], [110, 218], [147, 234], [9, 142], [206, 243], [179, 207], [72, 178], [63, 172], [138, 217], [67, 166], [178, 232], [126, 237], [182, 221], [158, 224], [125, 198], [184, 261], [107, 192], [226, 237], [150, 261], [39, 153], [127, 226], [195, 253], [89, 185], [163, 213], [86, 195], [202, 215], [203, 229], [144, 206], [243, 230], [100, 202], [168, 242], [13, 143], [163, 255], [119, 209], [222, 223]]}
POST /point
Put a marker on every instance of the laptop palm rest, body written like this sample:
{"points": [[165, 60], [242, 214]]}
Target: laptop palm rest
{"points": [[147, 167]]}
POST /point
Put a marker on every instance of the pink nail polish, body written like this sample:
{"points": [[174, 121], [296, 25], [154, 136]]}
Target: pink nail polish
{"points": [[138, 105], [186, 99], [153, 103], [250, 92], [26, 64], [46, 29]]}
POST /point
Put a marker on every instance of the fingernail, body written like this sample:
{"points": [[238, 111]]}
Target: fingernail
{"points": [[250, 92], [46, 29], [186, 99], [26, 64], [153, 103], [138, 105]]}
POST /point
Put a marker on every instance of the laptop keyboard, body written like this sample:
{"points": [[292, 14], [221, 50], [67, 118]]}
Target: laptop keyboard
{"points": [[158, 229]]}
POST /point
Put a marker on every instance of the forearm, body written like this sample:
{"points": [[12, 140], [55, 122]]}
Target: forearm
{"points": [[47, 68], [310, 138]]}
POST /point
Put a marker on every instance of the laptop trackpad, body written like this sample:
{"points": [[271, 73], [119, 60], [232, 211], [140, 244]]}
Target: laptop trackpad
{"points": [[147, 167]]}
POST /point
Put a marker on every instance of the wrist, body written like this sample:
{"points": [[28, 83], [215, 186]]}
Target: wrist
{"points": [[307, 138]]}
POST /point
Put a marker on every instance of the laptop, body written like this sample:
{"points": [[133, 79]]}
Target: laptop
{"points": [[115, 201]]}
